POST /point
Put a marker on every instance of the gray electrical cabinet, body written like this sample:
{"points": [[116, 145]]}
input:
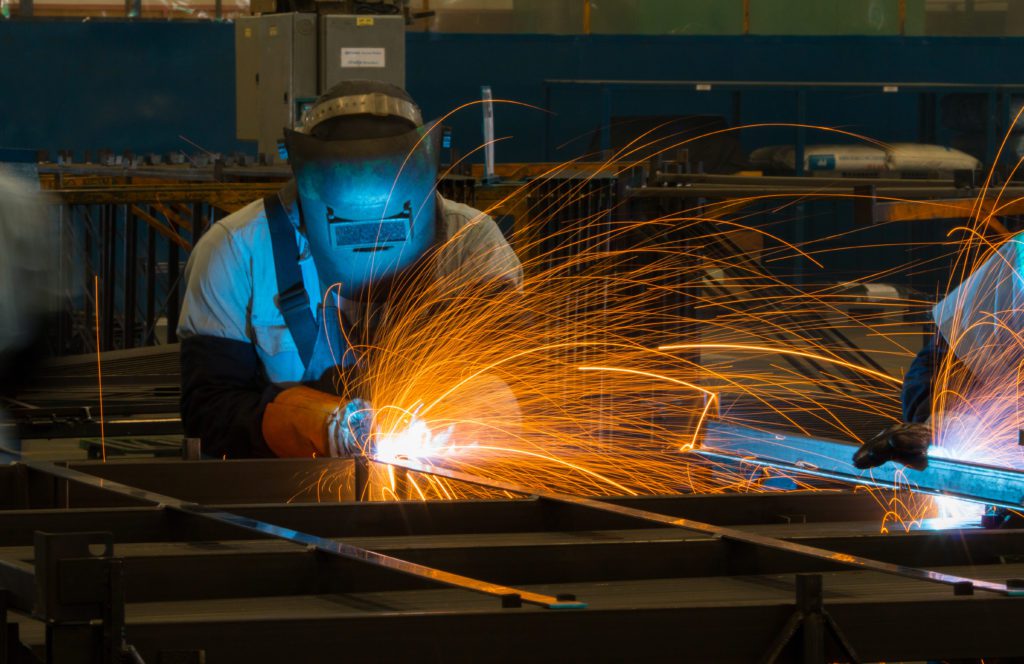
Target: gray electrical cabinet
{"points": [[247, 57], [284, 61], [362, 47], [276, 69]]}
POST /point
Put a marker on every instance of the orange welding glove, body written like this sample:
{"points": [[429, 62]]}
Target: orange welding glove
{"points": [[300, 422]]}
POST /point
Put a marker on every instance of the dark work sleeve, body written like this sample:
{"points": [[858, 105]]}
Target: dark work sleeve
{"points": [[917, 384], [224, 392]]}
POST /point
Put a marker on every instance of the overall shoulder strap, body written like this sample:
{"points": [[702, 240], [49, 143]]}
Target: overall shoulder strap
{"points": [[292, 298]]}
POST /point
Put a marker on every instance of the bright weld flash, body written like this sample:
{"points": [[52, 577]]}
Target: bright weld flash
{"points": [[414, 441], [954, 508]]}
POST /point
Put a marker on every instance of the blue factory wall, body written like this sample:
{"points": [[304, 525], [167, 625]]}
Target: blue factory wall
{"points": [[151, 86], [515, 66], [116, 85], [143, 86]]}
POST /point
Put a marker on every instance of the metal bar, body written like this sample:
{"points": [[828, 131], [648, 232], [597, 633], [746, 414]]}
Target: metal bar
{"points": [[442, 518], [832, 459], [178, 571], [708, 632], [801, 132], [745, 537], [175, 217], [549, 149], [991, 138], [878, 86], [144, 195], [131, 276], [109, 280], [348, 551], [89, 273], [958, 208], [606, 123], [154, 426], [807, 190], [199, 222], [150, 332], [168, 230], [173, 292], [787, 181]]}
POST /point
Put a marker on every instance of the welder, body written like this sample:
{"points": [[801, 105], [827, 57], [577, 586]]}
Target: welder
{"points": [[980, 320], [274, 290]]}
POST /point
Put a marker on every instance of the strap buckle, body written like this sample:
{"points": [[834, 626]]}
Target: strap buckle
{"points": [[294, 298]]}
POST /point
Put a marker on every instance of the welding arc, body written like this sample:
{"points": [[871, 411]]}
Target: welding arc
{"points": [[732, 534]]}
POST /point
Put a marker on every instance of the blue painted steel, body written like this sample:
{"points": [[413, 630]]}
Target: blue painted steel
{"points": [[832, 459]]}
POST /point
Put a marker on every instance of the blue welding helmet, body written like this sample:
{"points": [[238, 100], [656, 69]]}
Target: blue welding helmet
{"points": [[367, 188]]}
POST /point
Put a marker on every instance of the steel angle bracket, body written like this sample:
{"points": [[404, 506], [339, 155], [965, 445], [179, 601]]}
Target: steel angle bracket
{"points": [[833, 460], [510, 597]]}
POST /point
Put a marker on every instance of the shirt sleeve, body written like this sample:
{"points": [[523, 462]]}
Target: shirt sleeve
{"points": [[224, 387], [477, 251], [982, 315], [218, 289], [918, 382], [224, 393]]}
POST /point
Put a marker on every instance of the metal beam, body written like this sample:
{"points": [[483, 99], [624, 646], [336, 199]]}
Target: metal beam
{"points": [[955, 628], [756, 540], [420, 519], [185, 572], [833, 459], [512, 597]]}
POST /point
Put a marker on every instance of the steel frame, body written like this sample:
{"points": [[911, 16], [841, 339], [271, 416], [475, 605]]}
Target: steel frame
{"points": [[720, 588]]}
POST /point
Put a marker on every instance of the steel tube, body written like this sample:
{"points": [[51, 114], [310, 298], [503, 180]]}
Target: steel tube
{"points": [[833, 459]]}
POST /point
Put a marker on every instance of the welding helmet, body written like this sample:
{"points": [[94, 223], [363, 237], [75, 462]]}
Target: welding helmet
{"points": [[366, 171]]}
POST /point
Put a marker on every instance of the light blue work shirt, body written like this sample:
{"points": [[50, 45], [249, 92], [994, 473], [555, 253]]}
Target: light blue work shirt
{"points": [[231, 282], [982, 319]]}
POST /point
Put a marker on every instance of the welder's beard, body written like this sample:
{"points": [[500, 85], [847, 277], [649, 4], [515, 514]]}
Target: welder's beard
{"points": [[368, 206]]}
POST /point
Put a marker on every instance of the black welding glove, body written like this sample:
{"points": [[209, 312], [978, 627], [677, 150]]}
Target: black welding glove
{"points": [[905, 443]]}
